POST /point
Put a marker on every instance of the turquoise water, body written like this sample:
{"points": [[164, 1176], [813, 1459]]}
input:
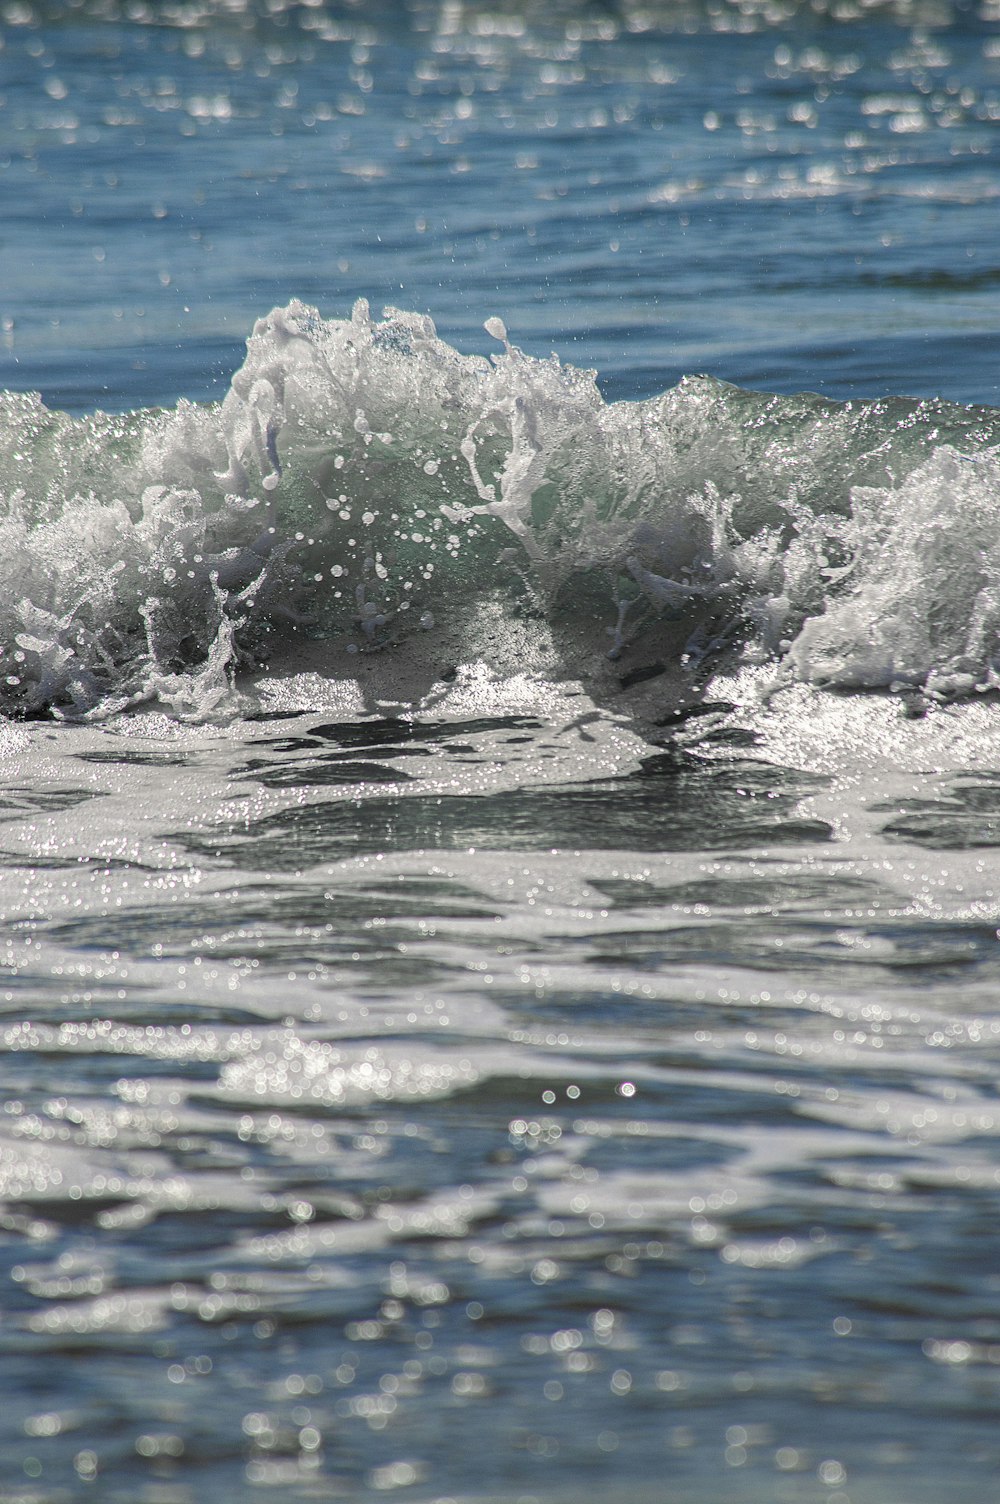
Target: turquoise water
{"points": [[500, 918]]}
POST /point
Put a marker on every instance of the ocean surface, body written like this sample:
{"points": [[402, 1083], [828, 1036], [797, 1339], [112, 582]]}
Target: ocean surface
{"points": [[500, 945]]}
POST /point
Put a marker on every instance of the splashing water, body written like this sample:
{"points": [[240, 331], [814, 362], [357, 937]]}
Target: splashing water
{"points": [[363, 480]]}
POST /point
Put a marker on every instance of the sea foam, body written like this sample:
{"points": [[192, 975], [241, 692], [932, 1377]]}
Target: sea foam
{"points": [[363, 482]]}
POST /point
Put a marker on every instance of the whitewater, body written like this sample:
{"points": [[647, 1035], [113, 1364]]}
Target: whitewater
{"points": [[499, 908], [361, 476]]}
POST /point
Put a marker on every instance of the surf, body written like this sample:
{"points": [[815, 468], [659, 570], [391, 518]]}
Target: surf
{"points": [[364, 492]]}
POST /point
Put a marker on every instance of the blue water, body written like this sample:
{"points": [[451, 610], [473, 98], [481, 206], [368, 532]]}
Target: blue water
{"points": [[499, 918], [806, 204]]}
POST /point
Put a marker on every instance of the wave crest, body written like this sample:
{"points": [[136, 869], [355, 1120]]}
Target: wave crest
{"points": [[363, 480]]}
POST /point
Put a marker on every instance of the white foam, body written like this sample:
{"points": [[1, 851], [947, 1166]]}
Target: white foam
{"points": [[362, 481]]}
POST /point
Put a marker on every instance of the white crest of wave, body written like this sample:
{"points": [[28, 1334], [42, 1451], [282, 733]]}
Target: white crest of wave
{"points": [[362, 479], [923, 607]]}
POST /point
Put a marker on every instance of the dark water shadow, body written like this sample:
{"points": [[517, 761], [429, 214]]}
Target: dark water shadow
{"points": [[672, 803], [965, 817]]}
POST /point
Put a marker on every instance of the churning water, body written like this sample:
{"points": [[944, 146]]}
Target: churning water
{"points": [[498, 858]]}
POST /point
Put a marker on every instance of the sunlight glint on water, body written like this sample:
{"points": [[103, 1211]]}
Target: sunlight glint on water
{"points": [[500, 945]]}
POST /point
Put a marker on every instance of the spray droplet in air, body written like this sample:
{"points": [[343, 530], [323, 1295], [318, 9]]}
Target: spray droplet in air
{"points": [[496, 328]]}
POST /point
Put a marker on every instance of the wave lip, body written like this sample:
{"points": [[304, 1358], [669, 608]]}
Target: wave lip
{"points": [[362, 482]]}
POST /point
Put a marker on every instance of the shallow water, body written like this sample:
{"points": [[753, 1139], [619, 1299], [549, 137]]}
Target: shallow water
{"points": [[501, 924], [624, 1117]]}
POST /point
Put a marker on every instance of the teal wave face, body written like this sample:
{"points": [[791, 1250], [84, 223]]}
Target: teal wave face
{"points": [[363, 482]]}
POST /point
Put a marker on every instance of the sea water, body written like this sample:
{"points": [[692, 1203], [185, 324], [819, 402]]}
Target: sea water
{"points": [[500, 943]]}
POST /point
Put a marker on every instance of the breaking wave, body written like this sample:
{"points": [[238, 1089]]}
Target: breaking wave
{"points": [[363, 482]]}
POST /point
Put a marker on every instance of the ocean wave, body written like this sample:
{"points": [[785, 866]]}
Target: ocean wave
{"points": [[363, 483]]}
